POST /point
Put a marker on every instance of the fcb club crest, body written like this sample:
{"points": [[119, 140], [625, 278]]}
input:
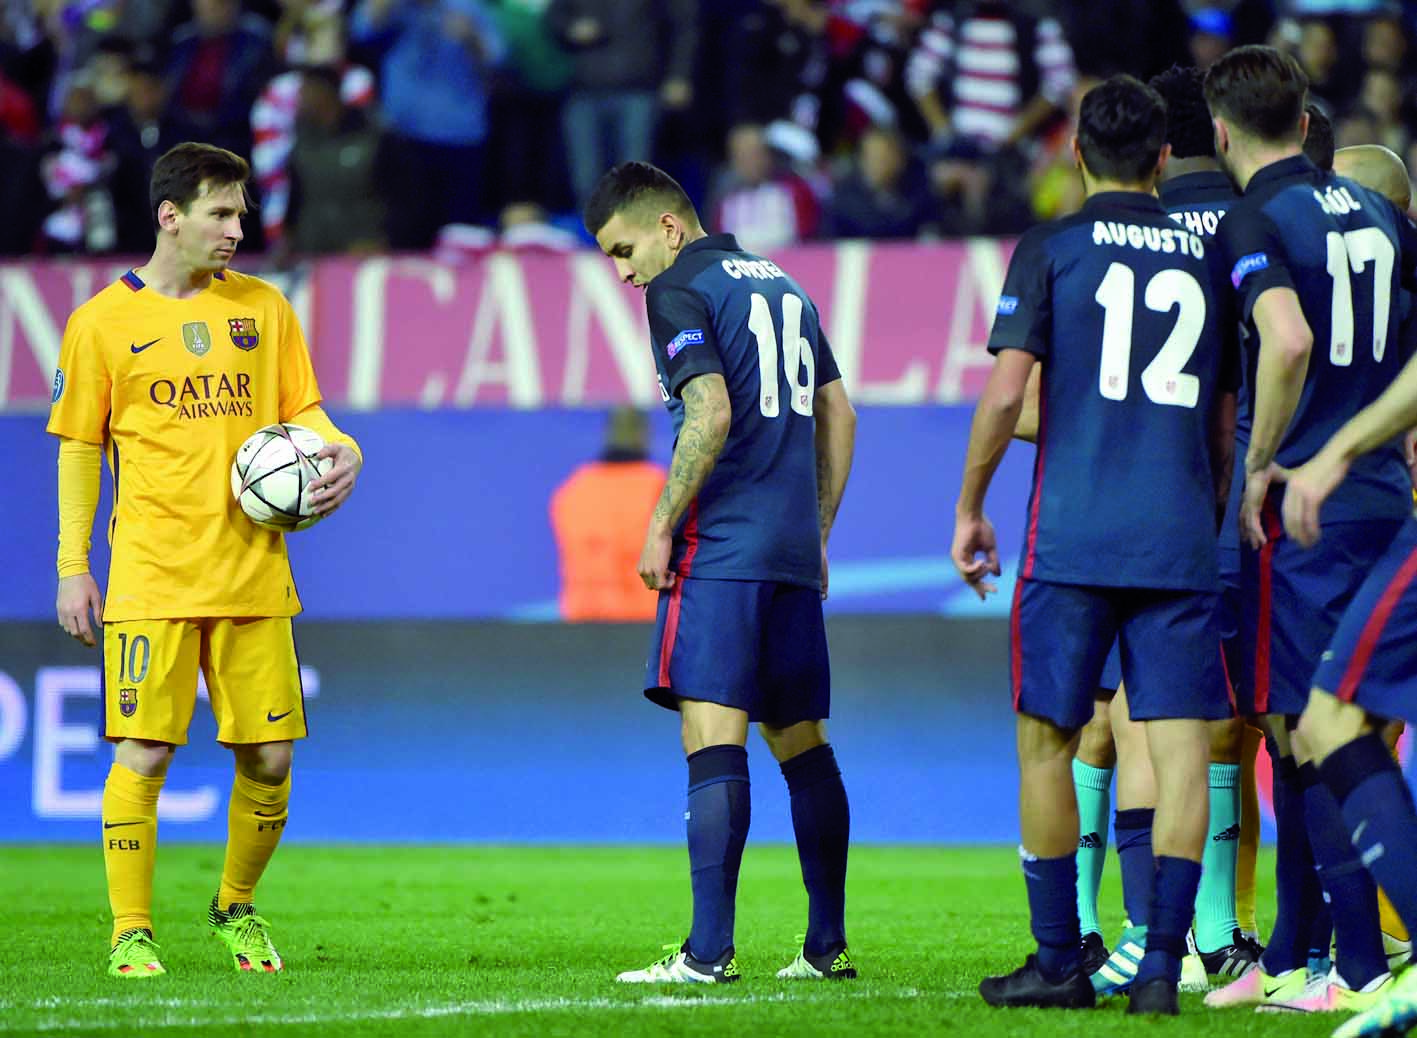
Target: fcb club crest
{"points": [[127, 701], [197, 337], [243, 332]]}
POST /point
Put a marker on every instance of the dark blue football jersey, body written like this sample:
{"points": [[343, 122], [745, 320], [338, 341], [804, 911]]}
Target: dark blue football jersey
{"points": [[1348, 254], [719, 309], [1198, 202], [1129, 315]]}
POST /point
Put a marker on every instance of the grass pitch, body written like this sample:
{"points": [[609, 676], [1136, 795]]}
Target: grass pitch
{"points": [[399, 941]]}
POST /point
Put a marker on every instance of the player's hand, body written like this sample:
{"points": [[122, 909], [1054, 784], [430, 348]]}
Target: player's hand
{"points": [[1256, 489], [77, 596], [824, 571], [974, 536], [654, 559], [1309, 486], [332, 489]]}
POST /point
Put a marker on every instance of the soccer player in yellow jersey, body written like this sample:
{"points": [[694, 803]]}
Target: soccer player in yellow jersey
{"points": [[168, 370]]}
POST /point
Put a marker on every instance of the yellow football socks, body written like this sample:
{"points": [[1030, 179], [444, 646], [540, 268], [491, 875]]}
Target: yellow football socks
{"points": [[255, 821], [130, 846]]}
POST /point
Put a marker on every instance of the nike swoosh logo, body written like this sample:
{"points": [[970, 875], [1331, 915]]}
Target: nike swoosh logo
{"points": [[139, 349], [115, 825], [276, 717], [262, 814]]}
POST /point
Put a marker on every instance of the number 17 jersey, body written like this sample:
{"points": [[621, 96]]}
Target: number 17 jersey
{"points": [[720, 310], [1132, 324]]}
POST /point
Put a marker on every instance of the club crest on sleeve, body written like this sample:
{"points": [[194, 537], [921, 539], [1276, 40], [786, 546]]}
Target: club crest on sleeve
{"points": [[243, 332], [58, 386], [127, 701], [197, 337], [687, 338], [1007, 305]]}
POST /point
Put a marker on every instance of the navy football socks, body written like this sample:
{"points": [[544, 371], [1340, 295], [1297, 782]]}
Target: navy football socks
{"points": [[717, 821], [1357, 932], [1298, 895], [1053, 911], [821, 821], [1172, 907], [1138, 865], [1380, 817]]}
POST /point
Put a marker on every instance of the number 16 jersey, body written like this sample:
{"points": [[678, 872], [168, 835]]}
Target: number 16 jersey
{"points": [[1133, 326], [720, 310]]}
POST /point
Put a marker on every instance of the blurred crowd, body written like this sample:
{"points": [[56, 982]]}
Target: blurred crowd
{"points": [[457, 124]]}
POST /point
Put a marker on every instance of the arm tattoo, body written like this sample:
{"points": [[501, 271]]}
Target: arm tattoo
{"points": [[696, 452]]}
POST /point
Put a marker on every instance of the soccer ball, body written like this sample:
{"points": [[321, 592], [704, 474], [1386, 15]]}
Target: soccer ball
{"points": [[271, 476]]}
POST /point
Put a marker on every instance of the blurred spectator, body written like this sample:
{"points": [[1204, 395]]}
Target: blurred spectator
{"points": [[1318, 52], [527, 226], [1385, 44], [758, 198], [21, 192], [1138, 37], [336, 203], [1212, 33], [990, 74], [311, 33], [433, 84], [138, 133], [883, 196], [629, 58], [1382, 96], [75, 173], [767, 55], [218, 64], [525, 148], [1359, 126], [599, 516]]}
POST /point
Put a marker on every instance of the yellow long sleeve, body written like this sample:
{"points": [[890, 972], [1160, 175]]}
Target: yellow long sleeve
{"points": [[314, 418], [80, 472]]}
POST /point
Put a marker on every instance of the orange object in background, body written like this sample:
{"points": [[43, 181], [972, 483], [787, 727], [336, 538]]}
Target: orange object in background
{"points": [[600, 515]]}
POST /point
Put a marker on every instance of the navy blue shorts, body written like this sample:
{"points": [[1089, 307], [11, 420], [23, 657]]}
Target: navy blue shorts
{"points": [[1228, 616], [1293, 599], [759, 646], [1372, 660], [1170, 651]]}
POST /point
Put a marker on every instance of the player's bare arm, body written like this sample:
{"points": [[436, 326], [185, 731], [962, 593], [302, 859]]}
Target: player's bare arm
{"points": [[1285, 344], [835, 445], [78, 603], [1027, 427], [1387, 417], [995, 418], [707, 417]]}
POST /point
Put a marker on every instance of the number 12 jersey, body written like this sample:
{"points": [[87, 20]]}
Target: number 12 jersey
{"points": [[1132, 322]]}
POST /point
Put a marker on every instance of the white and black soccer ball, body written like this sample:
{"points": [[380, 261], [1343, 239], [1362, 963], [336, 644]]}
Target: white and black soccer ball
{"points": [[271, 476]]}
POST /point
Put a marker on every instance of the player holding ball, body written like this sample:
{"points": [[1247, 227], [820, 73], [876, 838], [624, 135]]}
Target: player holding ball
{"points": [[168, 370]]}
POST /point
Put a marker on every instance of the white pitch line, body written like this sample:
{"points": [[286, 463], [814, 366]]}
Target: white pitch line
{"points": [[484, 1007]]}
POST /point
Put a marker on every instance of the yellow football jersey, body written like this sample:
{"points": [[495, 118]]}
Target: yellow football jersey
{"points": [[171, 388]]}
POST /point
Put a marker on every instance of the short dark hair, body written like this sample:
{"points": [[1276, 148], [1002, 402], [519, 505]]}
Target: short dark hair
{"points": [[633, 184], [1318, 144], [179, 174], [1122, 129], [1188, 128], [1260, 89]]}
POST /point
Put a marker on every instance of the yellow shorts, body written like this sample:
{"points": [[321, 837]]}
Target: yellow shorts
{"points": [[253, 678]]}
